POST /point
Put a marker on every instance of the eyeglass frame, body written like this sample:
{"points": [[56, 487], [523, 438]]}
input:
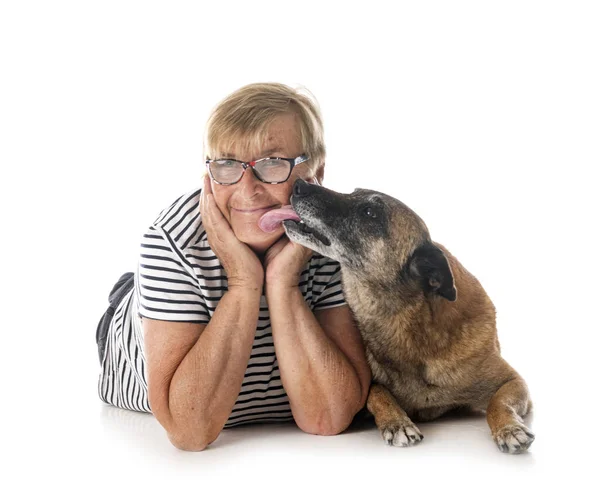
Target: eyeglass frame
{"points": [[292, 161]]}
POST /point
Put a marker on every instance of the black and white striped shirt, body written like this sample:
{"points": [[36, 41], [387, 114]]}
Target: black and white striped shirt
{"points": [[179, 278]]}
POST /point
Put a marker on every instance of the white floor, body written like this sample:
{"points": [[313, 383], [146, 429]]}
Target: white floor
{"points": [[68, 442], [60, 438], [481, 116]]}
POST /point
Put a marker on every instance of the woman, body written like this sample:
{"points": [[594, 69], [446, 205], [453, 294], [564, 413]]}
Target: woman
{"points": [[226, 320]]}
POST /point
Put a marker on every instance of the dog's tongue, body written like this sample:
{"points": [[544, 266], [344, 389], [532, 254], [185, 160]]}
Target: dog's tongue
{"points": [[271, 219]]}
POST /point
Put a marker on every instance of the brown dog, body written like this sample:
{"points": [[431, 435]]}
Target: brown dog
{"points": [[428, 326]]}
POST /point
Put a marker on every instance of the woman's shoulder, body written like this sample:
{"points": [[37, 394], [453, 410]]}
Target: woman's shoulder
{"points": [[322, 282], [181, 219], [322, 265], [175, 211]]}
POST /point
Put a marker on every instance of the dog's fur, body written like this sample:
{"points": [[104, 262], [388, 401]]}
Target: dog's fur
{"points": [[428, 327]]}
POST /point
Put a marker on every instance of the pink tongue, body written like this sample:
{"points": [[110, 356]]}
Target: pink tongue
{"points": [[271, 219]]}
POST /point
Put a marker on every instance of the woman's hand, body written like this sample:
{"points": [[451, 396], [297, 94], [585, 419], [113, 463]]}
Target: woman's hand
{"points": [[242, 266], [284, 261]]}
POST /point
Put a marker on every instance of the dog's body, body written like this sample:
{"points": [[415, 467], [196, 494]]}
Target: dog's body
{"points": [[428, 326]]}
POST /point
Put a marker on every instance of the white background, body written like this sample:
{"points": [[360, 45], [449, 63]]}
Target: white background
{"points": [[484, 117]]}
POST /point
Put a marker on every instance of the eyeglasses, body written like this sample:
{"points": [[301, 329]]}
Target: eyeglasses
{"points": [[268, 170]]}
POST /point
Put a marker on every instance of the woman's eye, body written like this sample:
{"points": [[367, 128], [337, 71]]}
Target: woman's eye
{"points": [[370, 212], [274, 163]]}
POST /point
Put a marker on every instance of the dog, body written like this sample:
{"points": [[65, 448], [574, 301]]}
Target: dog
{"points": [[428, 326]]}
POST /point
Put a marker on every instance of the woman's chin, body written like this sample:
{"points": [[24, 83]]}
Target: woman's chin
{"points": [[258, 240]]}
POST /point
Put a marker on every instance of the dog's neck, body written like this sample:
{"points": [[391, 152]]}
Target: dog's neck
{"points": [[426, 320], [379, 296]]}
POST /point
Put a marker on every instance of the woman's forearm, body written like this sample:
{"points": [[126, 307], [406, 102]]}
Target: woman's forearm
{"points": [[323, 386], [206, 384]]}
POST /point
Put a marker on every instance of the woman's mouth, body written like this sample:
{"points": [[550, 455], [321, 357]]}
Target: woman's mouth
{"points": [[254, 210], [273, 219]]}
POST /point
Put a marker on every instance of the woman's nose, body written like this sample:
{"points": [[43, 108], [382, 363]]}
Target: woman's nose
{"points": [[249, 180]]}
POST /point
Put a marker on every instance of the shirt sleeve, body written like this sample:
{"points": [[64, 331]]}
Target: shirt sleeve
{"points": [[168, 287], [327, 285]]}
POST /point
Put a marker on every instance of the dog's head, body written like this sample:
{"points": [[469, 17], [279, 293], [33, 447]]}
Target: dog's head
{"points": [[372, 235]]}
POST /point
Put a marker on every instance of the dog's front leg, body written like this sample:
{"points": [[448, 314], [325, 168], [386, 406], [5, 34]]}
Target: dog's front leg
{"points": [[504, 415], [396, 427]]}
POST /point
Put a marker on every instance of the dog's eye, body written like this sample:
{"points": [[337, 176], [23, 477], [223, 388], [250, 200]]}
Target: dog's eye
{"points": [[370, 212]]}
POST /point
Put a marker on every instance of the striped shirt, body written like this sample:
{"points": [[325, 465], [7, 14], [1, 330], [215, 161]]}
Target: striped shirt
{"points": [[179, 278]]}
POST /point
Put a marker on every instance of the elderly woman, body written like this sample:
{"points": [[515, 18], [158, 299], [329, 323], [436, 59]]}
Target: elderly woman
{"points": [[226, 321]]}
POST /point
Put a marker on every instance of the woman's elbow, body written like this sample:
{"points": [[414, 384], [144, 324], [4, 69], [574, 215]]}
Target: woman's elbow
{"points": [[324, 430], [191, 442], [326, 424]]}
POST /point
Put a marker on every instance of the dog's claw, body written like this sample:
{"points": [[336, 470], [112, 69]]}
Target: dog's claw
{"points": [[401, 433], [514, 438], [388, 436]]}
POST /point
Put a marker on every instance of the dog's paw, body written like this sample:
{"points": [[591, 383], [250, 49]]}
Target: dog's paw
{"points": [[514, 438], [401, 433]]}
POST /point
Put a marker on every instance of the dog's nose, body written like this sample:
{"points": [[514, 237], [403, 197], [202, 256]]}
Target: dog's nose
{"points": [[301, 188]]}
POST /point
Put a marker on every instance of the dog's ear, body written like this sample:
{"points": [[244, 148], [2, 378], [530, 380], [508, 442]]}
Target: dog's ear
{"points": [[429, 264]]}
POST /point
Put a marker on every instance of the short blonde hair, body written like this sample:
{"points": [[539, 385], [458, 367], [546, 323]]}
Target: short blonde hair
{"points": [[242, 120]]}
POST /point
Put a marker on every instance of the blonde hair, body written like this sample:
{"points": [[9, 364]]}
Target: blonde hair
{"points": [[242, 119]]}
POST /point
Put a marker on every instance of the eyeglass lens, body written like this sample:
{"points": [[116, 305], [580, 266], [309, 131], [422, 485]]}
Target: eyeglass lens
{"points": [[268, 170]]}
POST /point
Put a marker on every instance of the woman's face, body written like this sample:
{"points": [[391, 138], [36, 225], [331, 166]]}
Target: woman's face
{"points": [[245, 202]]}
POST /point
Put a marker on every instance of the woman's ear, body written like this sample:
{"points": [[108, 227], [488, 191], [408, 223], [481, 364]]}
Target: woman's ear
{"points": [[319, 174]]}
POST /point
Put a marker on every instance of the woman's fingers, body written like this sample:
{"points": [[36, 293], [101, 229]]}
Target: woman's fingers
{"points": [[207, 184], [216, 225], [240, 263], [203, 198], [206, 189], [219, 226]]}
